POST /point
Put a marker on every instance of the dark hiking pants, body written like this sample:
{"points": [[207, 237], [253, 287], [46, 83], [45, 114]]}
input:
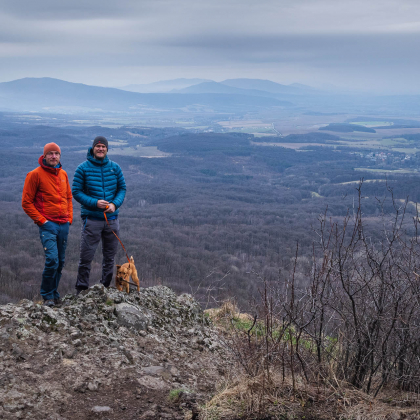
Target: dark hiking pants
{"points": [[54, 241], [94, 231]]}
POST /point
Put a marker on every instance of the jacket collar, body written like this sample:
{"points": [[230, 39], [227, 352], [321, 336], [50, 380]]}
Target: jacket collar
{"points": [[92, 159], [54, 171]]}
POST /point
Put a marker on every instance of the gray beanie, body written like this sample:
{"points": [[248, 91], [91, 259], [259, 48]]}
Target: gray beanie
{"points": [[101, 140]]}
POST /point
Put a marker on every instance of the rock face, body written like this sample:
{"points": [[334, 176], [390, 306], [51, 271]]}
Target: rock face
{"points": [[107, 354]]}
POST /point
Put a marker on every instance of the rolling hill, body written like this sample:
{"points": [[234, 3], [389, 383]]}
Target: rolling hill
{"points": [[54, 95], [164, 86], [267, 86]]}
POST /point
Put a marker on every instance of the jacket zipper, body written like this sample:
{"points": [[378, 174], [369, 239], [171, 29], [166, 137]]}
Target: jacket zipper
{"points": [[103, 183], [58, 194]]}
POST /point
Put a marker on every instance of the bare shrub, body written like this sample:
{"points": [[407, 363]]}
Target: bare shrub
{"points": [[365, 298], [355, 325]]}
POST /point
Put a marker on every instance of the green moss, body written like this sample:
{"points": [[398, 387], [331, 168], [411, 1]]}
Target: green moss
{"points": [[49, 320], [174, 394], [109, 302]]}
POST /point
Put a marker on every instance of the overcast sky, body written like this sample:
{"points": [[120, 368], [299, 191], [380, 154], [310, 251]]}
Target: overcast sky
{"points": [[368, 45]]}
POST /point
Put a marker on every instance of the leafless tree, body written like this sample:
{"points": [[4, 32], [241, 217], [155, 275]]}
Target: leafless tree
{"points": [[358, 319]]}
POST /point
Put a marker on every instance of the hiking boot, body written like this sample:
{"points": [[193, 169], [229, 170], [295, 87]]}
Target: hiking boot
{"points": [[49, 302], [79, 291], [58, 301]]}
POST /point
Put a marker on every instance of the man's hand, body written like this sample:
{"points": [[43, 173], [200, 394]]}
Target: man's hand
{"points": [[111, 208], [102, 204]]}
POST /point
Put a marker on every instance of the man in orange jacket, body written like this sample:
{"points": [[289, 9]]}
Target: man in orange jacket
{"points": [[47, 200]]}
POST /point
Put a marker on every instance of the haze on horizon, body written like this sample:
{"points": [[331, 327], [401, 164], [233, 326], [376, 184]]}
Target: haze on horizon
{"points": [[366, 46]]}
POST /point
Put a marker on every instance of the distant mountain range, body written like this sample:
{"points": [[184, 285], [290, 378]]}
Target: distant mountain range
{"points": [[164, 86], [232, 96], [54, 95], [268, 86], [253, 87]]}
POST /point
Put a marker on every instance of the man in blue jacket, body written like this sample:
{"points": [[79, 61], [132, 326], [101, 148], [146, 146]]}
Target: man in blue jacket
{"points": [[99, 187]]}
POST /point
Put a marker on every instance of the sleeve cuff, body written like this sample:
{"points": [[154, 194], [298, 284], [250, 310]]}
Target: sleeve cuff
{"points": [[40, 222]]}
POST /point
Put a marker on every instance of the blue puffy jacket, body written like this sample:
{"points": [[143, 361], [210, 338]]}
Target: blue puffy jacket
{"points": [[98, 180]]}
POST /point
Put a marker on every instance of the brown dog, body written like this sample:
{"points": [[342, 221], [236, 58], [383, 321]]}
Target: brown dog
{"points": [[124, 272]]}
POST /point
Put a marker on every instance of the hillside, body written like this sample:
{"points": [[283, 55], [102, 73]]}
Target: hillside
{"points": [[163, 86], [54, 95], [266, 85], [347, 128], [107, 353], [155, 355], [214, 87]]}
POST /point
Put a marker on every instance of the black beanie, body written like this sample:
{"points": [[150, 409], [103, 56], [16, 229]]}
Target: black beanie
{"points": [[100, 139]]}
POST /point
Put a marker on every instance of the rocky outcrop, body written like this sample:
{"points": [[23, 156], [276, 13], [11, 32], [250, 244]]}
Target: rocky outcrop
{"points": [[106, 354]]}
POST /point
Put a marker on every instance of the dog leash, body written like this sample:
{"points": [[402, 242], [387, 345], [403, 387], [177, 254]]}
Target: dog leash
{"points": [[119, 240], [125, 281], [128, 259]]}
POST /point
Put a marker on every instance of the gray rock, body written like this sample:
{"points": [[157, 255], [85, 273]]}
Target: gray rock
{"points": [[93, 385], [90, 318], [130, 316], [128, 355], [153, 370], [77, 342], [157, 371], [148, 415], [5, 379], [75, 334], [80, 386], [118, 298], [69, 353], [4, 336], [150, 382], [18, 353], [12, 408], [174, 371], [101, 409]]}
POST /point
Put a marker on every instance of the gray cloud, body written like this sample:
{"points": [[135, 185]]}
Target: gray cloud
{"points": [[347, 41], [70, 10], [344, 49]]}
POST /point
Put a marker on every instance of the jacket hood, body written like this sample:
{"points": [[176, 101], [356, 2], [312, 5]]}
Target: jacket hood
{"points": [[92, 159], [48, 168]]}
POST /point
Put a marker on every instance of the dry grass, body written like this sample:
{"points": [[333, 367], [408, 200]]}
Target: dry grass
{"points": [[227, 310], [271, 393], [378, 410], [240, 398], [268, 397], [271, 397]]}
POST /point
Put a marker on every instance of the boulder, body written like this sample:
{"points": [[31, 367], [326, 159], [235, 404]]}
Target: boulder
{"points": [[130, 316]]}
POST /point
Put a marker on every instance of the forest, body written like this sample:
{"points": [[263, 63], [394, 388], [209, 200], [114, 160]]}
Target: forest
{"points": [[217, 211]]}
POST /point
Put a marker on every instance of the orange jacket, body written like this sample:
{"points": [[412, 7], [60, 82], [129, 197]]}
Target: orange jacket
{"points": [[47, 195]]}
